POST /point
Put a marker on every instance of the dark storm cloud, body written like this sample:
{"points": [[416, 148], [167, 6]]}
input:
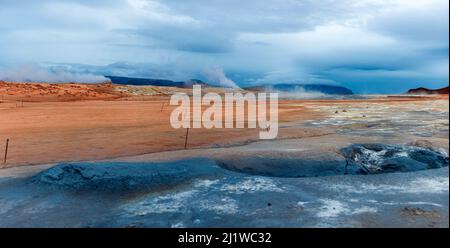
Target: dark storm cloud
{"points": [[184, 39]]}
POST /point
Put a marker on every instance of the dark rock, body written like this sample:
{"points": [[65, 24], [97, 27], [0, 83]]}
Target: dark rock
{"points": [[382, 158]]}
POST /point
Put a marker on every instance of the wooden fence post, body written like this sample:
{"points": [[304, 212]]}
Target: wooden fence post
{"points": [[6, 151], [186, 140]]}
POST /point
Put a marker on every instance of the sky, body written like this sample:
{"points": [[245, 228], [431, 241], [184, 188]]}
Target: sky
{"points": [[369, 46]]}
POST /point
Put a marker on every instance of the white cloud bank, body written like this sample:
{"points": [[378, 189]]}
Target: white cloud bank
{"points": [[36, 73]]}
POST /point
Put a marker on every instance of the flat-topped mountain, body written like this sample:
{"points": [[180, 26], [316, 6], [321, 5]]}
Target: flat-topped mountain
{"points": [[155, 82], [319, 88]]}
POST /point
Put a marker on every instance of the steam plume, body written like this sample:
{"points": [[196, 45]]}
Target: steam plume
{"points": [[216, 74]]}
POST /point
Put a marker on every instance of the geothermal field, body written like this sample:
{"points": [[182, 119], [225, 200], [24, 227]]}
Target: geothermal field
{"points": [[105, 155]]}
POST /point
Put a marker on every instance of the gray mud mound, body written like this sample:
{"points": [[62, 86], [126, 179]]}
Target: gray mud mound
{"points": [[287, 165], [116, 177], [357, 159], [382, 158]]}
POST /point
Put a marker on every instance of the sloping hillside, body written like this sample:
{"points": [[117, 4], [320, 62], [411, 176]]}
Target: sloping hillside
{"points": [[425, 91]]}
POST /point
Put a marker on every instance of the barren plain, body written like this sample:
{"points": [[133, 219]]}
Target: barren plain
{"points": [[106, 156]]}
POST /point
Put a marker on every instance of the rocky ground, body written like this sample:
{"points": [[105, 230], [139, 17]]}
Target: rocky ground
{"points": [[199, 193], [358, 163]]}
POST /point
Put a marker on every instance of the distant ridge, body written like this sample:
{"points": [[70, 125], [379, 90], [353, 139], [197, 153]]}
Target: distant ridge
{"points": [[155, 82], [320, 88], [425, 91]]}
